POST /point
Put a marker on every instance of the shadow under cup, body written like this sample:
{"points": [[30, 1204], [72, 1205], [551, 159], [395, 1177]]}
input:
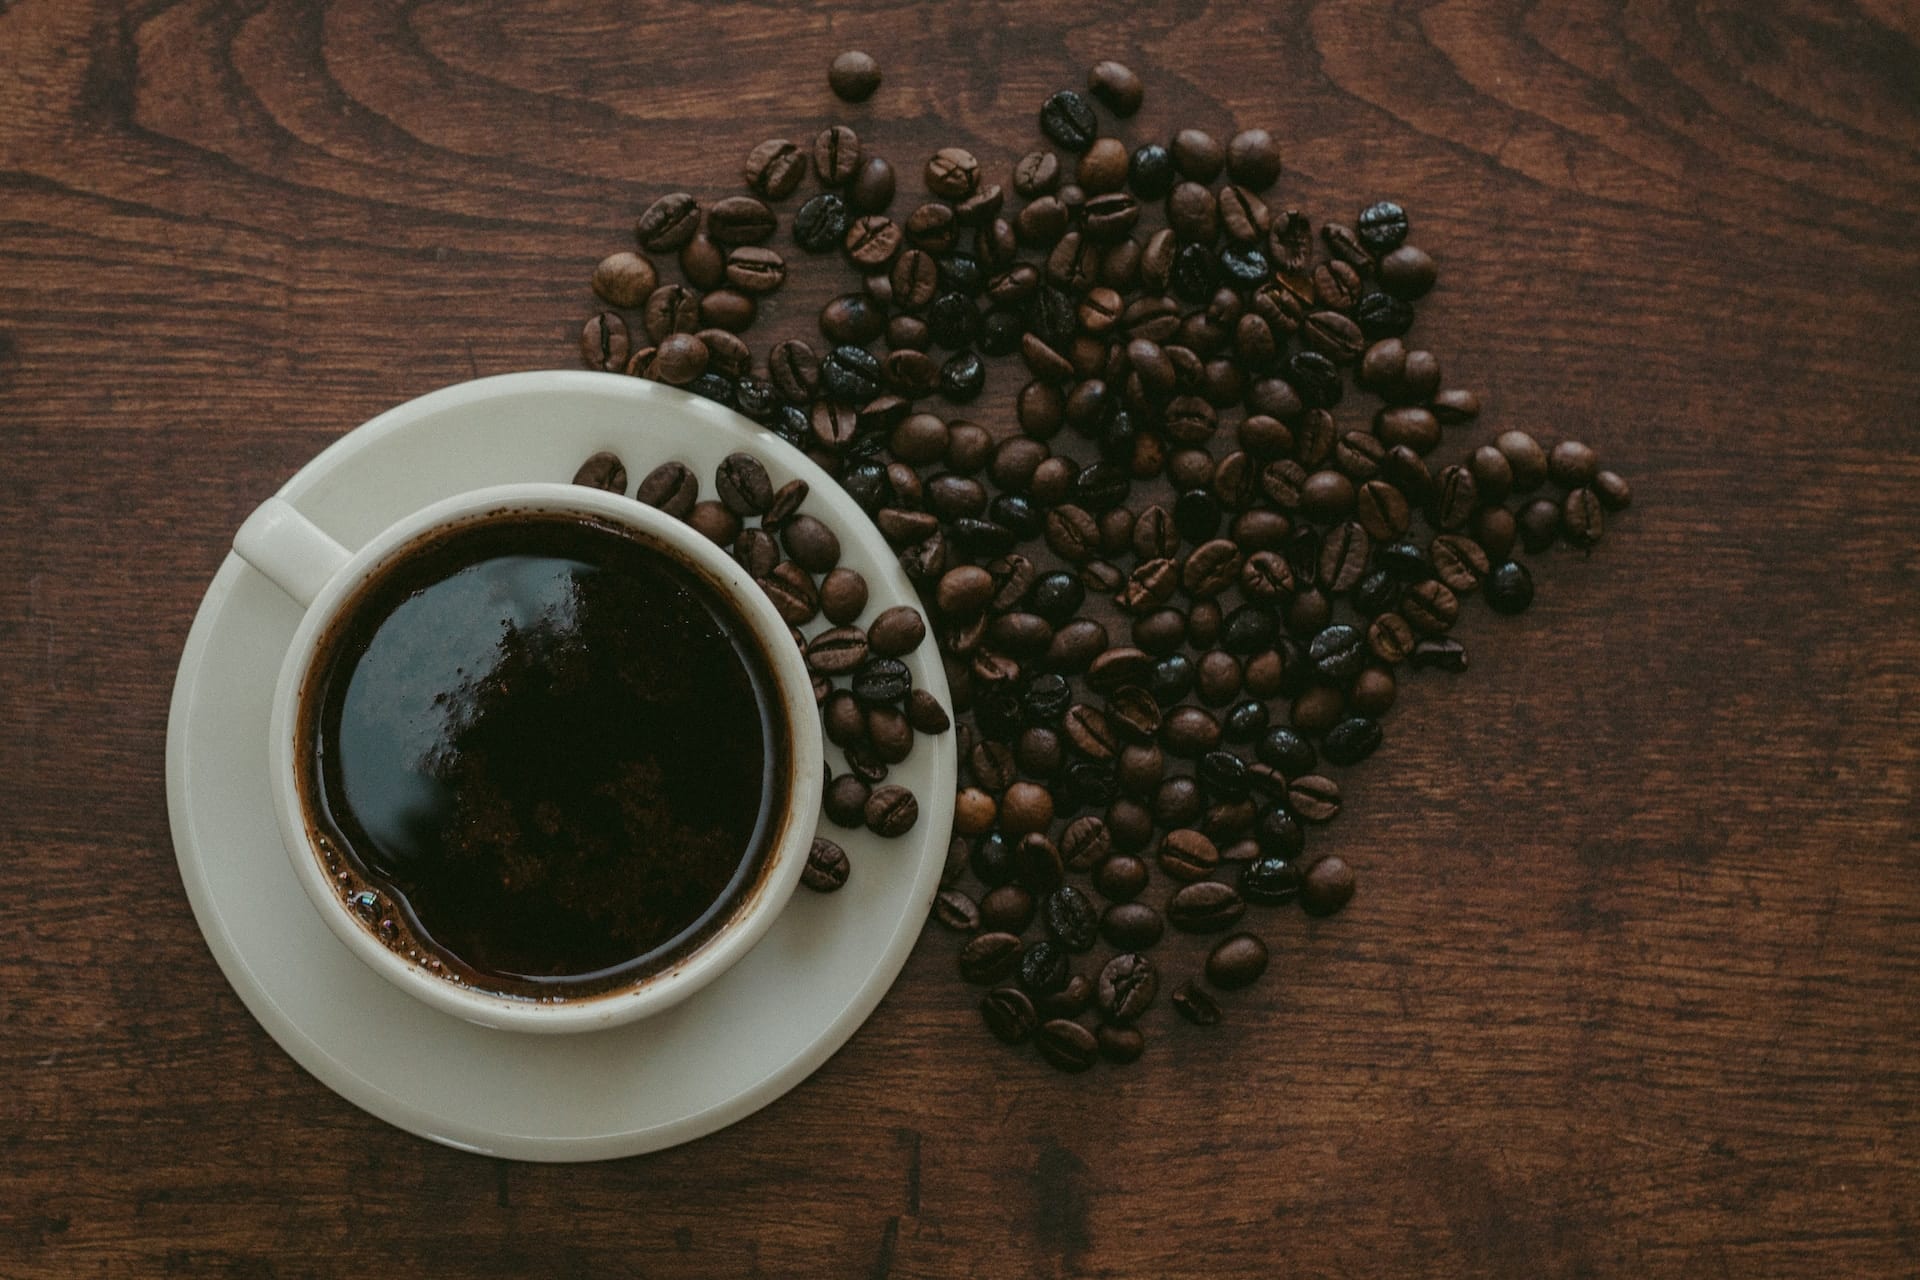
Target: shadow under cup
{"points": [[543, 756]]}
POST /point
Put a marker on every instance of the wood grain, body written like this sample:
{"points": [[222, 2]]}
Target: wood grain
{"points": [[1630, 988]]}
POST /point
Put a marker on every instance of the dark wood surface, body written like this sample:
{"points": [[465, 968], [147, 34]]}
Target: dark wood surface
{"points": [[1631, 984]]}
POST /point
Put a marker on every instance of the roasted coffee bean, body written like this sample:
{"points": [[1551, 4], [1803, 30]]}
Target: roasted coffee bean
{"points": [[1328, 886], [1539, 524], [1458, 562], [881, 681], [1343, 556], [1286, 751], [668, 222], [1612, 490], [775, 169], [1069, 121], [1270, 880], [1008, 1013], [826, 868], [1186, 854], [1338, 653], [845, 801], [891, 810], [1430, 607], [1127, 986], [742, 483], [1352, 740], [1237, 962], [603, 471], [1069, 1001], [872, 241], [1509, 588], [1207, 906], [925, 713], [1581, 518], [1116, 86], [952, 173], [837, 652], [1244, 219], [1314, 798], [1035, 174], [670, 487], [1198, 155], [1526, 459], [1007, 907], [1065, 1044], [1249, 629], [625, 279], [956, 910], [836, 155], [1070, 918], [853, 76], [989, 957], [1044, 968], [1121, 878], [1190, 731], [1439, 655], [820, 223], [605, 343], [1195, 1005]]}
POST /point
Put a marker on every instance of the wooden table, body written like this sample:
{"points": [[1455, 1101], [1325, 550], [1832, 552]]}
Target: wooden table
{"points": [[1630, 986]]}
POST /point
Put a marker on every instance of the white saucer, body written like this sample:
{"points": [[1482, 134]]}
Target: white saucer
{"points": [[758, 1031]]}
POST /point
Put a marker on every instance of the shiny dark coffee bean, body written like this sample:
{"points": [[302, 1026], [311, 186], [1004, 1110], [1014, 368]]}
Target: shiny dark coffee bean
{"points": [[1069, 121], [1277, 833], [1070, 918], [1270, 880], [827, 866], [1044, 968], [1440, 654], [821, 223], [1509, 588], [1287, 751], [1352, 740]]}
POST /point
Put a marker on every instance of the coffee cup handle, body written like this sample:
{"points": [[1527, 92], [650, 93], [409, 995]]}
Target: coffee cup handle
{"points": [[290, 550]]}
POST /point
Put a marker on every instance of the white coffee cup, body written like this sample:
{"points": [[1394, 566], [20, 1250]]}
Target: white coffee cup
{"points": [[323, 576]]}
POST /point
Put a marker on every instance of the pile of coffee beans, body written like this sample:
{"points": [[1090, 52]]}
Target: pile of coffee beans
{"points": [[868, 704], [1176, 570]]}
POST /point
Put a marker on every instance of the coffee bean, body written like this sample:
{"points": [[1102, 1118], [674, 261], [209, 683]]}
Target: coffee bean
{"points": [[1458, 561], [810, 543], [892, 810], [1352, 740], [1007, 907], [1065, 1044], [1116, 86], [843, 595], [671, 309], [668, 222], [837, 652], [820, 223], [775, 169], [1008, 1013], [1068, 120], [1070, 918], [897, 631], [1270, 880], [1120, 1045], [1344, 556], [604, 343], [1612, 490], [1439, 655], [925, 713], [853, 76], [1509, 588], [1237, 962], [845, 799], [603, 471], [1495, 531], [670, 487], [989, 957], [1195, 1005], [1186, 854], [624, 279], [1044, 968], [826, 868], [956, 910], [1207, 906], [1085, 842], [1121, 877], [1328, 886], [1198, 155], [1127, 986], [1314, 798], [1036, 174], [1407, 272], [1430, 607], [1581, 518]]}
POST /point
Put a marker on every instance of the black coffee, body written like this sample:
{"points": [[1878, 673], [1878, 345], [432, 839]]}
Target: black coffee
{"points": [[544, 755]]}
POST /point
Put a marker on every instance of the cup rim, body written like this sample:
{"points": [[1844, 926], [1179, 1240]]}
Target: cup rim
{"points": [[785, 858]]}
